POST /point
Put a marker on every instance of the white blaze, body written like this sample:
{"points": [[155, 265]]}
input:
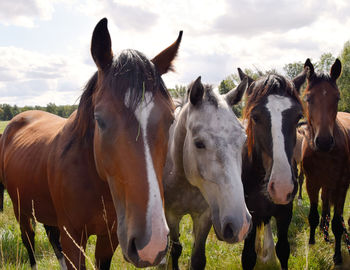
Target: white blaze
{"points": [[281, 172], [158, 225]]}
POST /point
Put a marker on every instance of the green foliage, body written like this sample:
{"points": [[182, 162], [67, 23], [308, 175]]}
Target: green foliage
{"points": [[219, 255], [7, 112], [344, 80], [178, 92], [293, 69], [229, 83], [325, 63]]}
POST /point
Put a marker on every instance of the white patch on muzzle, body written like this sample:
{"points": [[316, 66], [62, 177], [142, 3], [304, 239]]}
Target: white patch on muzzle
{"points": [[155, 218], [281, 175]]}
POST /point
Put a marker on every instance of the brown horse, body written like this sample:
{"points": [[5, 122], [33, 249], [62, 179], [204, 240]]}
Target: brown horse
{"points": [[77, 175], [327, 151]]}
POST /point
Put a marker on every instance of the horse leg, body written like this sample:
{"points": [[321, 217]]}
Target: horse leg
{"points": [[249, 254], [337, 223], [2, 189], [201, 228], [176, 248], [324, 224], [71, 248], [28, 234], [53, 233], [282, 246], [105, 247], [313, 214], [300, 181]]}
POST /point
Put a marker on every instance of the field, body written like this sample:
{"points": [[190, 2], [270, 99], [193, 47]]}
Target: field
{"points": [[13, 255]]}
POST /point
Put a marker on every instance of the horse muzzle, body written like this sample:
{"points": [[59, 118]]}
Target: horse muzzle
{"points": [[324, 143], [150, 255]]}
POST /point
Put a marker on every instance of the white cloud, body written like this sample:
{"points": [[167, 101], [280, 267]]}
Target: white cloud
{"points": [[25, 12], [219, 36], [28, 77]]}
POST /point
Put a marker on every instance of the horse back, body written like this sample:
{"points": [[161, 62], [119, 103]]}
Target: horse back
{"points": [[25, 147], [344, 119]]}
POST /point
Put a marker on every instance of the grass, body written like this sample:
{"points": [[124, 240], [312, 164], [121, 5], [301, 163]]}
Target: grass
{"points": [[13, 254]]}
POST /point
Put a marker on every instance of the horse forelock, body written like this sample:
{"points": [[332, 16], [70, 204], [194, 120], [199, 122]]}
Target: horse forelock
{"points": [[130, 76], [272, 84]]}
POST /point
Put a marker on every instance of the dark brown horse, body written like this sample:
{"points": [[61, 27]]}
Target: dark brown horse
{"points": [[77, 175], [326, 153], [272, 111]]}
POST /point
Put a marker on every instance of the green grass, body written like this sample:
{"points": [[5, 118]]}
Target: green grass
{"points": [[3, 124], [220, 255]]}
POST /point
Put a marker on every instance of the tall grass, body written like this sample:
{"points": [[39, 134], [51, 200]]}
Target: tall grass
{"points": [[13, 254]]}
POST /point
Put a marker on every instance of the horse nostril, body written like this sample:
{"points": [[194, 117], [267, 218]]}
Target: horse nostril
{"points": [[132, 251], [228, 231], [317, 142]]}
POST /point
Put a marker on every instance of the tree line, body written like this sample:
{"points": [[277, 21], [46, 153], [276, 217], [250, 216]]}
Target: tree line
{"points": [[323, 64], [291, 70], [7, 111]]}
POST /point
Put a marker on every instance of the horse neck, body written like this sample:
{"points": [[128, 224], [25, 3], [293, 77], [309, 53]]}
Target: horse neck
{"points": [[177, 140], [78, 138], [252, 167]]}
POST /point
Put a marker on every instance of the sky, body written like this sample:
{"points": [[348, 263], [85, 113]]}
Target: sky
{"points": [[45, 44]]}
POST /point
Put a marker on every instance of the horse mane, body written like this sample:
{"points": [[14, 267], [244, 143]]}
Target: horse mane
{"points": [[319, 77], [130, 70], [271, 84]]}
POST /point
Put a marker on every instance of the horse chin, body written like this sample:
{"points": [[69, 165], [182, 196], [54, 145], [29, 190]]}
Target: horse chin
{"points": [[218, 236]]}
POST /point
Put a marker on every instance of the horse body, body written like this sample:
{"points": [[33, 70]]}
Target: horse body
{"points": [[272, 112], [326, 154], [202, 172], [78, 175], [31, 155]]}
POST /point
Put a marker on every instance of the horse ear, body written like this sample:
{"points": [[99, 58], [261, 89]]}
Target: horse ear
{"points": [[242, 75], [196, 91], [309, 68], [299, 80], [163, 61], [101, 45], [235, 95], [336, 70]]}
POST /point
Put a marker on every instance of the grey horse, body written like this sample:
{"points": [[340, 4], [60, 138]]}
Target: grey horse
{"points": [[202, 175]]}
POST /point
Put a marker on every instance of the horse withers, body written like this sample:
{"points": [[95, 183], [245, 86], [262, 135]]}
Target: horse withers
{"points": [[273, 109], [326, 153], [99, 171], [202, 176]]}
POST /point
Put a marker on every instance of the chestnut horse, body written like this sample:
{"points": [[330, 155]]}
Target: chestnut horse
{"points": [[272, 111], [202, 175], [99, 171], [326, 153]]}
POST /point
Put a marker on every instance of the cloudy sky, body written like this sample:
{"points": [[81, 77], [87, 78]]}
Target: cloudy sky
{"points": [[44, 44]]}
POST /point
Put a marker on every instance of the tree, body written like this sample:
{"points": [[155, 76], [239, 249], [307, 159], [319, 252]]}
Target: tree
{"points": [[325, 63], [51, 108], [228, 83], [293, 69], [7, 112], [344, 80], [178, 92]]}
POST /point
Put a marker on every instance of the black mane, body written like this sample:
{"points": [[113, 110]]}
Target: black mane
{"points": [[321, 77]]}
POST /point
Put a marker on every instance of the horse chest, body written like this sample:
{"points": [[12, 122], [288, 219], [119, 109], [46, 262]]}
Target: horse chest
{"points": [[324, 169], [182, 198]]}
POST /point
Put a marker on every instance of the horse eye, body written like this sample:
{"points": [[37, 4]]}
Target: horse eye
{"points": [[199, 144], [101, 124]]}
